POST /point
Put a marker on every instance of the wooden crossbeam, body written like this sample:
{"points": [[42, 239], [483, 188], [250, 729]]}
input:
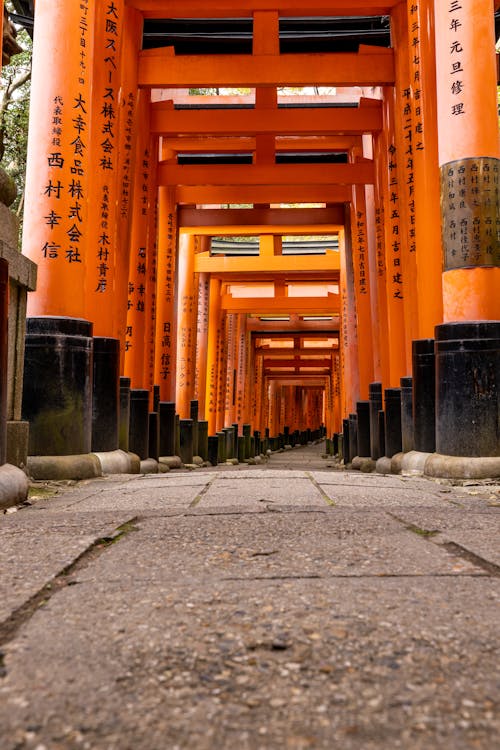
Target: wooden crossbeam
{"points": [[278, 352], [304, 266], [233, 122], [323, 363], [245, 8], [270, 193], [159, 68], [247, 144], [360, 173], [315, 218], [294, 326], [282, 305]]}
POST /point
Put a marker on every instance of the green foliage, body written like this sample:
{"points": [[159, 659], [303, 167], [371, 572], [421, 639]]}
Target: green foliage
{"points": [[14, 115]]}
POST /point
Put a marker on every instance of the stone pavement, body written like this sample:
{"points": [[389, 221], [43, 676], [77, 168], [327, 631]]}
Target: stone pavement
{"points": [[286, 605]]}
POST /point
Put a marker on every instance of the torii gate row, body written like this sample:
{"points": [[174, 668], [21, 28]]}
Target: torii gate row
{"points": [[102, 214]]}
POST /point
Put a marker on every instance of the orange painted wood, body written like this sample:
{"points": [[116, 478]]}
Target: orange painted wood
{"points": [[166, 312], [468, 128], [160, 69], [256, 217], [187, 308], [425, 159], [258, 174], [214, 323], [55, 218], [272, 193], [136, 340], [245, 8], [250, 122], [270, 265], [283, 305], [101, 301]]}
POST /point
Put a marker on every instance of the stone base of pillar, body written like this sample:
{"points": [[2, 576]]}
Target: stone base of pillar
{"points": [[437, 466], [14, 486], [17, 443]]}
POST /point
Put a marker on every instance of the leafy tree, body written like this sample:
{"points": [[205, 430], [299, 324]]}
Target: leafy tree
{"points": [[14, 115]]}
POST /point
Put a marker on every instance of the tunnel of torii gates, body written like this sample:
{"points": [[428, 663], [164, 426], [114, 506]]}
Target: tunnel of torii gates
{"points": [[130, 178]]}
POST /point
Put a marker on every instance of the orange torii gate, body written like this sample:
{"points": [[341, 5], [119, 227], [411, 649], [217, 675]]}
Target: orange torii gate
{"points": [[127, 177]]}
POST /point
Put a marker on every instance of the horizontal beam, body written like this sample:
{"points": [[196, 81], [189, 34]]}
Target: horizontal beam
{"points": [[295, 326], [270, 193], [282, 305], [270, 265], [248, 144], [246, 8], [344, 121], [262, 217], [270, 363], [306, 380], [360, 173], [159, 68], [307, 352]]}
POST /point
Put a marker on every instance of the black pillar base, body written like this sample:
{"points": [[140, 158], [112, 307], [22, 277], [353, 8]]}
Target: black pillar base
{"points": [[363, 412], [167, 428], [393, 441], [106, 394], [407, 439], [424, 395], [468, 389], [138, 438], [124, 424], [57, 394], [375, 396]]}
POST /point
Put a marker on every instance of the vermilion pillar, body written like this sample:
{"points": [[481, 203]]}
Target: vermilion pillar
{"points": [[212, 363], [187, 306], [55, 234], [101, 300], [166, 313], [405, 140], [202, 341], [129, 126], [151, 268], [387, 155], [422, 54], [469, 159], [348, 337], [361, 270], [136, 339]]}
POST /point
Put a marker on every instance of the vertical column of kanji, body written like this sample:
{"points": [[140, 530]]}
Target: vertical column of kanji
{"points": [[380, 159], [166, 314], [222, 370], [393, 229], [186, 325], [349, 337], [337, 419], [202, 343], [361, 271], [231, 360], [128, 125], [422, 50], [151, 266], [212, 364], [468, 343], [405, 143], [136, 341], [468, 158], [100, 301], [378, 311], [242, 369], [258, 419], [55, 217]]}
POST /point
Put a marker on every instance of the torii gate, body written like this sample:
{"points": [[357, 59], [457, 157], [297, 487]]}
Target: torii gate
{"points": [[115, 171]]}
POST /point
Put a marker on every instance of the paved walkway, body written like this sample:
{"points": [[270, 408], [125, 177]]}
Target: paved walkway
{"points": [[288, 605]]}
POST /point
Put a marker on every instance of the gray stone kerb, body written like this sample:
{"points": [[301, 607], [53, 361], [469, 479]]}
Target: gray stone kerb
{"points": [[85, 466], [439, 466]]}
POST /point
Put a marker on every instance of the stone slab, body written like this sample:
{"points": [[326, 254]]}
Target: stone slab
{"points": [[259, 491], [362, 665], [36, 546]]}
